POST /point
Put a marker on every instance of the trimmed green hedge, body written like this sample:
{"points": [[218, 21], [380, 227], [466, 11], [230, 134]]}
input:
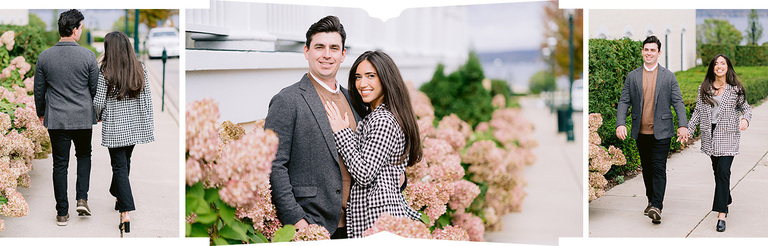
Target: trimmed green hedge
{"points": [[754, 79], [609, 63], [749, 55]]}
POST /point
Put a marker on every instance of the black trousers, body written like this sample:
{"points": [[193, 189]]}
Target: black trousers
{"points": [[120, 187], [340, 233], [721, 165], [653, 158], [61, 143]]}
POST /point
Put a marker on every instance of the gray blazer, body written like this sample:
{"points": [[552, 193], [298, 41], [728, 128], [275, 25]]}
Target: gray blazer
{"points": [[306, 177], [724, 141], [65, 84], [667, 94]]}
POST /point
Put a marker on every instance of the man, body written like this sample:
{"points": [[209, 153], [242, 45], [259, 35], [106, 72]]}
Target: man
{"points": [[310, 184], [650, 90], [65, 84]]}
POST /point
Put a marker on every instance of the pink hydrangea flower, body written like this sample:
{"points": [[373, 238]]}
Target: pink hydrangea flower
{"points": [[471, 223], [464, 193], [313, 232], [451, 233], [202, 138], [401, 226], [16, 205], [8, 38]]}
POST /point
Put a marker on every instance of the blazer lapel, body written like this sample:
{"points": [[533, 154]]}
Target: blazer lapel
{"points": [[659, 84], [321, 118]]}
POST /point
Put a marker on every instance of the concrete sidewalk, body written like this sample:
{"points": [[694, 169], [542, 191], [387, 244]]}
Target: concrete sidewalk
{"points": [[689, 194], [154, 181], [553, 206]]}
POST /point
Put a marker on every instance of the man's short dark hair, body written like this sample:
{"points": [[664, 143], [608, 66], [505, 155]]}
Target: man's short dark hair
{"points": [[653, 39], [327, 24], [68, 21]]}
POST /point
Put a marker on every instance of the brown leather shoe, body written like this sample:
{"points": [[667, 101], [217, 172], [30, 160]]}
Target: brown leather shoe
{"points": [[62, 220], [655, 215], [82, 208], [645, 212]]}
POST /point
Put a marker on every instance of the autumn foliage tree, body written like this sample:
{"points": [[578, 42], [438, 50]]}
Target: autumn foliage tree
{"points": [[556, 25]]}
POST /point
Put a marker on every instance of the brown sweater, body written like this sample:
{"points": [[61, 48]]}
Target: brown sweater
{"points": [[341, 102], [649, 100]]}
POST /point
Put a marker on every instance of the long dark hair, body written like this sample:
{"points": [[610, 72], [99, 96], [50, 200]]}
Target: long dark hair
{"points": [[707, 90], [395, 95], [121, 69]]}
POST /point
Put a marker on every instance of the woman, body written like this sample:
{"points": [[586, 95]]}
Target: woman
{"points": [[124, 106], [722, 112], [385, 142]]}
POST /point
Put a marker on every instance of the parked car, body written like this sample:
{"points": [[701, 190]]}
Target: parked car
{"points": [[160, 38]]}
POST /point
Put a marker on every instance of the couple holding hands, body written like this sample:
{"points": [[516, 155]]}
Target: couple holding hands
{"points": [[721, 113]]}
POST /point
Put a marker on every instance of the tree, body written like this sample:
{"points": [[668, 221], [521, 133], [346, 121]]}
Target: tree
{"points": [[716, 31], [153, 17], [542, 81], [35, 21], [119, 25], [754, 29], [560, 30]]}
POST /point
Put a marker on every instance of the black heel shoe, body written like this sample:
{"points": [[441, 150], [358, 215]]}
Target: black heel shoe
{"points": [[124, 226], [720, 225]]}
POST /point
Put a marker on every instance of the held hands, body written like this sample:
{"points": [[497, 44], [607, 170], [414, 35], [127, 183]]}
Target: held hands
{"points": [[621, 132], [301, 224], [334, 116], [683, 134], [743, 124]]}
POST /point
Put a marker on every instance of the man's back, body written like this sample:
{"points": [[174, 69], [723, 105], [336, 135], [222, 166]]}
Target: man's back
{"points": [[65, 84]]}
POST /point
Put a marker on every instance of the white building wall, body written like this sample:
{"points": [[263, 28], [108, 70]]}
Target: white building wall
{"points": [[616, 24], [241, 54]]}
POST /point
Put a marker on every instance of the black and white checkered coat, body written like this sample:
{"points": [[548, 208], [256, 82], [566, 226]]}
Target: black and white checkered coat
{"points": [[369, 154], [725, 139], [125, 122]]}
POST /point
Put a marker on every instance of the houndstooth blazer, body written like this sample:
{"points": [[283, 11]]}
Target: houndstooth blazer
{"points": [[125, 122], [370, 155], [724, 141]]}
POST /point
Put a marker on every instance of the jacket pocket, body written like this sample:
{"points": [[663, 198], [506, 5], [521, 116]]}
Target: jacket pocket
{"points": [[666, 116], [304, 191]]}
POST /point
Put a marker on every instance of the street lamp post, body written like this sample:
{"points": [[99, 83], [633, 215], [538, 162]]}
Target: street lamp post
{"points": [[551, 44], [569, 118]]}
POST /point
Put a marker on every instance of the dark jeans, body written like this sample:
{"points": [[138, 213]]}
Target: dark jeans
{"points": [[120, 187], [721, 165], [653, 158], [61, 143], [340, 233]]}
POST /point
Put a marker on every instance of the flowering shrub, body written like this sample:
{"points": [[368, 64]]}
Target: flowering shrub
{"points": [[401, 226], [600, 159], [467, 177], [227, 174], [22, 136], [312, 232]]}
